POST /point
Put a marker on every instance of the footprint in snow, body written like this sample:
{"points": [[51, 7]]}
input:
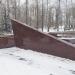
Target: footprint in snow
{"points": [[28, 61], [23, 59], [60, 67], [10, 54], [72, 71]]}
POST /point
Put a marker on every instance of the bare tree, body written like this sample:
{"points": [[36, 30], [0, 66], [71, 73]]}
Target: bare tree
{"points": [[37, 14], [1, 16], [58, 16], [48, 15], [42, 15], [26, 11], [68, 15]]}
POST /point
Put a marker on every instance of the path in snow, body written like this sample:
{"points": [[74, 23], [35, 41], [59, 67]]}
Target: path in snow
{"points": [[16, 61]]}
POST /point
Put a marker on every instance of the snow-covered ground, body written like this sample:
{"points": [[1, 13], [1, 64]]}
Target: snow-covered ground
{"points": [[45, 29], [16, 61], [67, 38]]}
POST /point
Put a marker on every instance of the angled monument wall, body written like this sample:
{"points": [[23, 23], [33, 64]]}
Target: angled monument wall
{"points": [[7, 41], [29, 38]]}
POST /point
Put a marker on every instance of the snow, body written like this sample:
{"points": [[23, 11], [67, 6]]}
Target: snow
{"points": [[67, 38], [45, 29], [16, 61]]}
